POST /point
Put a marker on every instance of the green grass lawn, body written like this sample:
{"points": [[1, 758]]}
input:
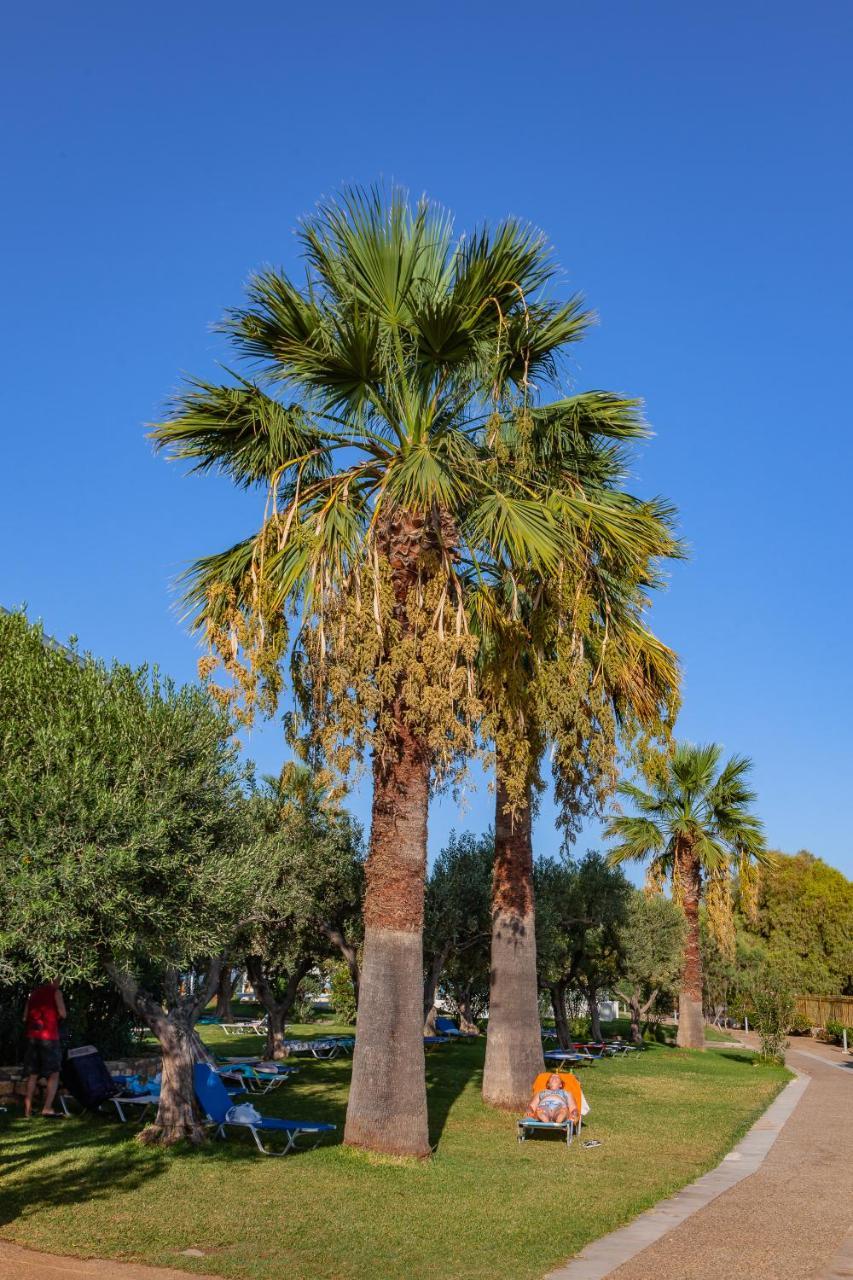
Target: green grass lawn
{"points": [[484, 1206]]}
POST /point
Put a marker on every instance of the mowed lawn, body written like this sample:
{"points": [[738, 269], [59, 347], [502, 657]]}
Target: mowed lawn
{"points": [[484, 1206]]}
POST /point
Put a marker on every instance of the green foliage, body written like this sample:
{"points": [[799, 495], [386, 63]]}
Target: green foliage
{"points": [[343, 994], [399, 400], [773, 1010], [835, 1030], [457, 909], [651, 942], [800, 1025], [308, 874], [582, 908], [457, 922], [804, 920], [118, 798], [96, 1015], [694, 807]]}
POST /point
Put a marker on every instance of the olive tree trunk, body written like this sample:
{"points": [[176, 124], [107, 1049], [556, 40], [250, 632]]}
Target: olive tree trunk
{"points": [[431, 980], [592, 1005], [387, 1108], [691, 1023], [514, 1039], [637, 1009], [278, 1007], [178, 1114], [467, 1021], [557, 991], [225, 992]]}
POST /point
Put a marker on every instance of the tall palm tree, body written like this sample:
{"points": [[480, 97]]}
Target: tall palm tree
{"points": [[567, 662], [696, 826], [370, 422]]}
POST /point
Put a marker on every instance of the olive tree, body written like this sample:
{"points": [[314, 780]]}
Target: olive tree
{"points": [[120, 847], [306, 895], [457, 922], [651, 942], [582, 908]]}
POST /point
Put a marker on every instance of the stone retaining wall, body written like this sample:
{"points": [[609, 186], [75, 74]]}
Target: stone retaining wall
{"points": [[12, 1087]]}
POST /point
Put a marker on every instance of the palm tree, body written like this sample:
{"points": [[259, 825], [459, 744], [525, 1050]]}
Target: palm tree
{"points": [[695, 826], [379, 386], [570, 662]]}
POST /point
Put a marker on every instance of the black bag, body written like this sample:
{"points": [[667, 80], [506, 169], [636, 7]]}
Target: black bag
{"points": [[85, 1076]]}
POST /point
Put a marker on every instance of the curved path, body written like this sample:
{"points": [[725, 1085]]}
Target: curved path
{"points": [[790, 1219]]}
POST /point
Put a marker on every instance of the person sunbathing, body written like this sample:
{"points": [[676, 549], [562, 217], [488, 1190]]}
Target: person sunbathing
{"points": [[553, 1104]]}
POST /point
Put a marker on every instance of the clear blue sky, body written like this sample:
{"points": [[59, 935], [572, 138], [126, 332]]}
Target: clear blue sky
{"points": [[691, 165]]}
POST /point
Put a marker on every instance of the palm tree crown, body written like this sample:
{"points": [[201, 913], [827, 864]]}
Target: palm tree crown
{"points": [[695, 803], [388, 394]]}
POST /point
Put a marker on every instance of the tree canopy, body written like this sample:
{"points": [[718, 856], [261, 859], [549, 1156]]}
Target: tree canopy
{"points": [[118, 794], [804, 920]]}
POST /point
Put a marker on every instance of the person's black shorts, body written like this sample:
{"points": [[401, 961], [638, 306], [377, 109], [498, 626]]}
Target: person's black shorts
{"points": [[42, 1057]]}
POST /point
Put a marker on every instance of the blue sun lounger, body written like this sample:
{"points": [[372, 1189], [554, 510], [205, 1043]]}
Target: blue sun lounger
{"points": [[255, 1078], [215, 1101], [447, 1027], [528, 1125]]}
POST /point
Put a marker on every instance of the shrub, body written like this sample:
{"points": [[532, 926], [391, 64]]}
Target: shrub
{"points": [[800, 1025], [343, 994], [834, 1032], [773, 1012]]}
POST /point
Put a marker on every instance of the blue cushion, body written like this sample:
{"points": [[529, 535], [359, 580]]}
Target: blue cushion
{"points": [[544, 1124], [270, 1122]]}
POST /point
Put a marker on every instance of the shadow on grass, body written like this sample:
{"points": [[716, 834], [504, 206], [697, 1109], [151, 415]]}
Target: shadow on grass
{"points": [[449, 1071], [31, 1182], [736, 1056]]}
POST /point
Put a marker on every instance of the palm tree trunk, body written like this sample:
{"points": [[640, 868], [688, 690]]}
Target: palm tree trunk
{"points": [[514, 1040], [387, 1108], [691, 1025]]}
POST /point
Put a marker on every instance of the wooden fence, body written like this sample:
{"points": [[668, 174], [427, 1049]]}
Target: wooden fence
{"points": [[823, 1009]]}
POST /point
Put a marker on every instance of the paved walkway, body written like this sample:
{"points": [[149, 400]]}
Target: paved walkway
{"points": [[25, 1264], [792, 1219]]}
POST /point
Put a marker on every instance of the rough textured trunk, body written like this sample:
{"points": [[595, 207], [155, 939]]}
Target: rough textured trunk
{"points": [[278, 1007], [467, 1022], [691, 1023], [433, 973], [387, 1108], [561, 1023], [514, 1039], [636, 1010], [178, 1114], [225, 993], [275, 1048], [592, 1005], [387, 1104]]}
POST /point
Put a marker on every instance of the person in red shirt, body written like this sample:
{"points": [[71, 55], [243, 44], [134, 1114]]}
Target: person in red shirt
{"points": [[43, 1054]]}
